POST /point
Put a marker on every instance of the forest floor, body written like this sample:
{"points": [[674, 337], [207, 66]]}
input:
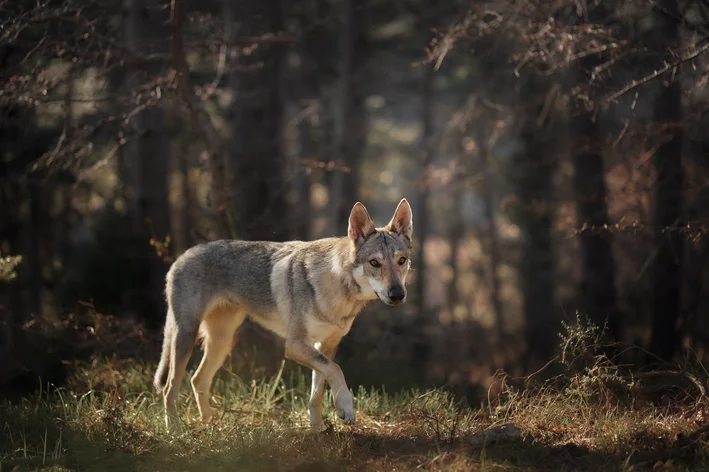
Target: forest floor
{"points": [[593, 418]]}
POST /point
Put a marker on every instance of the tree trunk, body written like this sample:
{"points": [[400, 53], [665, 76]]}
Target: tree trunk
{"points": [[667, 268], [422, 348], [260, 186], [597, 290], [11, 236], [34, 259], [305, 98], [350, 115], [697, 258], [147, 153], [533, 171], [422, 224], [598, 293]]}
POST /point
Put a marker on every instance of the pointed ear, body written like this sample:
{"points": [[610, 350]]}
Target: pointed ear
{"points": [[402, 223], [361, 225]]}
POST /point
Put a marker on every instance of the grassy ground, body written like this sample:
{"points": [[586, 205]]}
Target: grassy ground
{"points": [[587, 418]]}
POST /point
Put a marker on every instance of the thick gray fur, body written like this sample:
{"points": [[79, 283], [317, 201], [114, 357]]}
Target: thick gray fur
{"points": [[307, 293]]}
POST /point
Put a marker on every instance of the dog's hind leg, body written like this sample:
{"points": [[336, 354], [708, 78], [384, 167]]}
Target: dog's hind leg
{"points": [[218, 329], [317, 391], [182, 340]]}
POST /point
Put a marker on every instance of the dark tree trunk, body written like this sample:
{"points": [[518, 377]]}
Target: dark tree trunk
{"points": [[34, 258], [147, 154], [597, 290], [422, 347], [697, 259], [457, 228], [422, 224], [350, 115], [533, 172], [12, 312], [316, 51], [537, 262], [598, 293], [154, 175], [667, 268], [260, 186]]}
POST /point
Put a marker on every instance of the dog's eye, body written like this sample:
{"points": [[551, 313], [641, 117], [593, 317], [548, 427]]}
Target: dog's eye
{"points": [[402, 260], [374, 263]]}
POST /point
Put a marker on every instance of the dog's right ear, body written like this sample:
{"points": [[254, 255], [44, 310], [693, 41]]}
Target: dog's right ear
{"points": [[361, 225]]}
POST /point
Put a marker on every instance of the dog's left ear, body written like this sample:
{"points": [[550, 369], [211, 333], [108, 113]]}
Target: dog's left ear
{"points": [[402, 223]]}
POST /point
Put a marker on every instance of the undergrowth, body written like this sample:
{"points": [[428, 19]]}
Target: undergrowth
{"points": [[591, 414]]}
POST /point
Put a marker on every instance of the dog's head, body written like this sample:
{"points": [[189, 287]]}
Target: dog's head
{"points": [[381, 255]]}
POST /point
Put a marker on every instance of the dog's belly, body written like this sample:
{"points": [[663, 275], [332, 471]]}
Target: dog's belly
{"points": [[317, 330], [273, 322]]}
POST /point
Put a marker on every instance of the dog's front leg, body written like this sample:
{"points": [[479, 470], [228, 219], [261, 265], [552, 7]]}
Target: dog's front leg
{"points": [[300, 351], [317, 391]]}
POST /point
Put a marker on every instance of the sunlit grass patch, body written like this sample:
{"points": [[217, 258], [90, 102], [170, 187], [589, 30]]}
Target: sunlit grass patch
{"points": [[586, 418]]}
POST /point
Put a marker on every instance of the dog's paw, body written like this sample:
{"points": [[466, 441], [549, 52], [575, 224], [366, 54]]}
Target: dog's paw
{"points": [[316, 419], [205, 415], [347, 416], [344, 404]]}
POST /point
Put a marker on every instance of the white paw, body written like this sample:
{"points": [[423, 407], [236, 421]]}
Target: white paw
{"points": [[344, 404]]}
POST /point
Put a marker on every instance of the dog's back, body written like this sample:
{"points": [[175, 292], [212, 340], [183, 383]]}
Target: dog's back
{"points": [[238, 270]]}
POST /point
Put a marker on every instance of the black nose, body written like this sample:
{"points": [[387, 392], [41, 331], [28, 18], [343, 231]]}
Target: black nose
{"points": [[397, 293]]}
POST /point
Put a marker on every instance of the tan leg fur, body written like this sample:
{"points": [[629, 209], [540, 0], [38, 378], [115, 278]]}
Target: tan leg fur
{"points": [[218, 329]]}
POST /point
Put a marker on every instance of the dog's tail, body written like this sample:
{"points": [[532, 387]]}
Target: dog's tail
{"points": [[163, 369]]}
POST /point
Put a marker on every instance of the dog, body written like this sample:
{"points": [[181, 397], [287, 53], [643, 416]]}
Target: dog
{"points": [[306, 292]]}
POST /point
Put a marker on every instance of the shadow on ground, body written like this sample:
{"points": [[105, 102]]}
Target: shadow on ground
{"points": [[40, 440]]}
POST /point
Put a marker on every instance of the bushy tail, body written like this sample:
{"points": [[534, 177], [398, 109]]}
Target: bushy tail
{"points": [[163, 369]]}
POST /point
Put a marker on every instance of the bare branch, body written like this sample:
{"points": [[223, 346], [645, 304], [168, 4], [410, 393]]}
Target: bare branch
{"points": [[668, 66]]}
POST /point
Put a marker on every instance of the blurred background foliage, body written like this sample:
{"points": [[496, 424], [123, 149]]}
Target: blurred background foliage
{"points": [[555, 155]]}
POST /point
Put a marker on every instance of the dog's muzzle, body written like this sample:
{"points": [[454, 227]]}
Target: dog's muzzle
{"points": [[396, 295]]}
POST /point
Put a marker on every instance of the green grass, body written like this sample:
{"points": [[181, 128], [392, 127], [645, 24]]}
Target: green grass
{"points": [[582, 412], [109, 420]]}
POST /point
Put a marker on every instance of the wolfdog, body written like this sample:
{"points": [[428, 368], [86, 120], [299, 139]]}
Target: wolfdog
{"points": [[307, 293]]}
